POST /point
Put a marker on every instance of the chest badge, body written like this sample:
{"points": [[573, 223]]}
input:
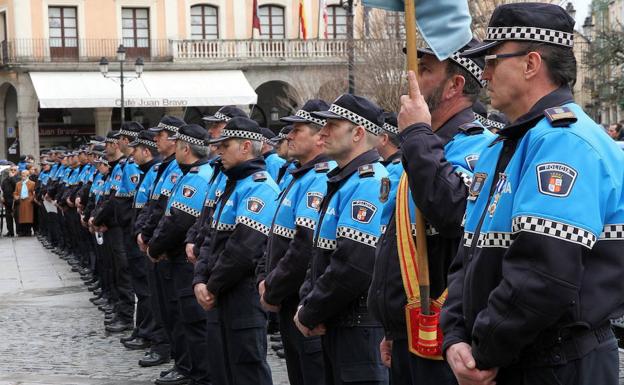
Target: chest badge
{"points": [[384, 191], [478, 182], [500, 187]]}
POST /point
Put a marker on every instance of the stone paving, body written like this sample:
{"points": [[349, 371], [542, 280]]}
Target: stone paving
{"points": [[51, 334]]}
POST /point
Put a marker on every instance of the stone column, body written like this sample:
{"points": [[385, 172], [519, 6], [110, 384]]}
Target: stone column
{"points": [[102, 118], [3, 135], [177, 112], [28, 133]]}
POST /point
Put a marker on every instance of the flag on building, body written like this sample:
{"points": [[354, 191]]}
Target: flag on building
{"points": [[303, 21], [324, 18], [255, 22], [443, 24]]}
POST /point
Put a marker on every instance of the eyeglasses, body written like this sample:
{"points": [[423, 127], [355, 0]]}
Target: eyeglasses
{"points": [[492, 60]]}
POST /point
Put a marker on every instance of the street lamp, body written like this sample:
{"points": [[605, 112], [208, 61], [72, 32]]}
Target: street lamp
{"points": [[274, 114], [121, 58]]}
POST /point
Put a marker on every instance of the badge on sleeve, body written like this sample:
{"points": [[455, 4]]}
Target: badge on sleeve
{"points": [[118, 177], [314, 200], [477, 185], [188, 191], [384, 191], [471, 161], [255, 205], [174, 178], [362, 211], [555, 179], [134, 179]]}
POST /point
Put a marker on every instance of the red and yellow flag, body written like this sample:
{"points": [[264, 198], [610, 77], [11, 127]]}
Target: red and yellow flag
{"points": [[303, 20]]}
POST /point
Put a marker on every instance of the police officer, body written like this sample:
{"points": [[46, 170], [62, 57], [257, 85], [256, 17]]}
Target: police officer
{"points": [[388, 147], [281, 149], [438, 161], [481, 114], [531, 290], [273, 161], [333, 299], [215, 123], [288, 251], [240, 225]]}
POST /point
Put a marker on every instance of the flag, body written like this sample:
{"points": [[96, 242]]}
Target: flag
{"points": [[444, 24], [303, 23], [255, 22], [324, 17]]}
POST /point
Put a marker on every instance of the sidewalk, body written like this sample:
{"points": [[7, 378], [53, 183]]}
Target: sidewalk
{"points": [[51, 334]]}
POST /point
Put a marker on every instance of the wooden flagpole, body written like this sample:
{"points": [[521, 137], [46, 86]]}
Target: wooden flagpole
{"points": [[421, 236]]}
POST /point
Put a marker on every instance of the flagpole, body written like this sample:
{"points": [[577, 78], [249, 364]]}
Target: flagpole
{"points": [[421, 236]]}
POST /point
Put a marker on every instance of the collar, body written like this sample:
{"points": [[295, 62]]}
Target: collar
{"points": [[392, 158], [268, 153], [449, 129], [187, 167], [339, 174], [527, 121], [113, 163], [147, 166], [301, 170], [245, 169]]}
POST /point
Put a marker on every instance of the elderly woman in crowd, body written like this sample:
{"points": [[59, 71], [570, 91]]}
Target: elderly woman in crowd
{"points": [[24, 196]]}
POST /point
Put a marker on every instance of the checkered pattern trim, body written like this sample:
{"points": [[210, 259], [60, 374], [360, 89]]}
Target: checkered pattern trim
{"points": [[429, 230], [139, 205], [210, 203], [306, 115], [391, 129], [221, 116], [147, 143], [491, 239], [488, 122], [125, 195], [358, 236], [306, 222], [253, 224], [612, 233], [244, 135], [131, 134], [166, 193], [327, 244], [111, 140], [168, 127], [283, 231], [531, 33], [186, 209], [223, 226], [189, 139], [355, 118], [466, 178], [554, 229], [470, 66]]}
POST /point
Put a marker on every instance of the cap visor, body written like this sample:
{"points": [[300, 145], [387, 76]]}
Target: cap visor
{"points": [[276, 139], [219, 139], [326, 115], [133, 144], [294, 119], [155, 129], [212, 119], [481, 49]]}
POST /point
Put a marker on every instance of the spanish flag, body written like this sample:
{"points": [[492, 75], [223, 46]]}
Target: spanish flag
{"points": [[303, 21]]}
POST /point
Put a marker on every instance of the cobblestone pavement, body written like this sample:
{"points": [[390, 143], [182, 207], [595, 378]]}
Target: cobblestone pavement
{"points": [[51, 334]]}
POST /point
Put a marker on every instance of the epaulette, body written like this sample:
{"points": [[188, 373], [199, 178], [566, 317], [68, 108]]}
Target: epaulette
{"points": [[321, 167], [260, 176], [471, 128], [156, 167], [396, 161], [560, 116], [123, 161], [194, 170], [366, 170]]}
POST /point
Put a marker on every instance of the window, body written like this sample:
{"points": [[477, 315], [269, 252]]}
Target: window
{"points": [[272, 22], [135, 31], [63, 32], [336, 22], [204, 22]]}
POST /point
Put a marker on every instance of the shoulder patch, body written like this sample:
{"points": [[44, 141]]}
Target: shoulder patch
{"points": [[194, 170], [555, 179], [314, 200], [362, 211], [471, 161], [118, 177], [188, 191], [255, 205], [471, 128], [384, 191], [560, 116], [135, 178], [174, 178], [321, 167], [366, 170], [260, 176]]}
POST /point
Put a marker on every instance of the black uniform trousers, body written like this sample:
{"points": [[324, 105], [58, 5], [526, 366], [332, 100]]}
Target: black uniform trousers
{"points": [[244, 334], [137, 267], [124, 299], [352, 356], [216, 352], [409, 369], [304, 355], [157, 333]]}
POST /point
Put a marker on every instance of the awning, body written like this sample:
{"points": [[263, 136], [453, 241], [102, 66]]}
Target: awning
{"points": [[152, 89]]}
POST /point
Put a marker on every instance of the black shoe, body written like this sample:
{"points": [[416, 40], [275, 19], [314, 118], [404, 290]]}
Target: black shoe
{"points": [[129, 337], [119, 326], [100, 301], [137, 344], [94, 286], [173, 378], [280, 353], [111, 320], [164, 372], [275, 338], [277, 346], [9, 235], [97, 292], [109, 316], [154, 359], [106, 308]]}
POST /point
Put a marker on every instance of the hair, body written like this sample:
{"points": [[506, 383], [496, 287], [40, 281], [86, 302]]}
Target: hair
{"points": [[393, 138], [560, 61], [256, 147], [153, 151], [198, 151], [472, 88]]}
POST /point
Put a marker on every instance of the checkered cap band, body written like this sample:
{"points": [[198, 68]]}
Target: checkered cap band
{"points": [[131, 134], [244, 135], [327, 244], [168, 127], [189, 139], [306, 222], [488, 122], [221, 116], [612, 233], [306, 115], [355, 118], [111, 140], [283, 231], [147, 143], [543, 35], [357, 236], [471, 67], [391, 129], [554, 229], [253, 224]]}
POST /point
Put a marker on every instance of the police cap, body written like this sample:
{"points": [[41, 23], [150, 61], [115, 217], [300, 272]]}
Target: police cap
{"points": [[391, 124], [242, 128], [191, 133], [225, 113], [474, 66], [169, 123], [304, 114], [357, 110], [282, 134], [130, 129], [144, 138]]}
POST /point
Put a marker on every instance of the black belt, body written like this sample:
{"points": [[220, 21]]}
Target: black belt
{"points": [[565, 347]]}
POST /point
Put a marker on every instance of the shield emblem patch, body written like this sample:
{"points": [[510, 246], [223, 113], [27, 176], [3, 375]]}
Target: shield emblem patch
{"points": [[362, 211], [188, 191], [384, 190], [555, 179], [255, 205], [314, 200], [118, 177], [134, 179], [471, 161], [174, 178], [477, 185]]}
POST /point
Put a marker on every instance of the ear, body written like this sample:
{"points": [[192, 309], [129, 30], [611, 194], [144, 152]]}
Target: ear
{"points": [[454, 86], [532, 65], [359, 133]]}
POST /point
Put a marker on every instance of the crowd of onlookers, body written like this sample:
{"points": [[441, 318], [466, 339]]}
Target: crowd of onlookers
{"points": [[615, 130], [18, 197]]}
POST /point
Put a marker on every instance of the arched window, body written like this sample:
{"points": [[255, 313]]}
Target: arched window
{"points": [[336, 22], [204, 22], [272, 22]]}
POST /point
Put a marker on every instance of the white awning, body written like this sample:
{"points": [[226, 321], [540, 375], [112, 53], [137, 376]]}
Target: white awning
{"points": [[152, 89]]}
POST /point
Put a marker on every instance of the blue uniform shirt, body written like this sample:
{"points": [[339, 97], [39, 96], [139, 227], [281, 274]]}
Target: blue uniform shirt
{"points": [[189, 192], [273, 164], [144, 191]]}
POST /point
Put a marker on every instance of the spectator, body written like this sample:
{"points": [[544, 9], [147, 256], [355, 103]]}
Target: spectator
{"points": [[614, 131], [8, 187], [24, 197]]}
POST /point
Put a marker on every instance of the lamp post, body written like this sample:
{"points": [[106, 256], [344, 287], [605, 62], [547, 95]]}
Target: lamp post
{"points": [[348, 5], [121, 58]]}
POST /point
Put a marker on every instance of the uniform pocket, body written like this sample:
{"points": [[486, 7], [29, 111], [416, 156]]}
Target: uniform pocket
{"points": [[248, 340], [365, 372]]}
